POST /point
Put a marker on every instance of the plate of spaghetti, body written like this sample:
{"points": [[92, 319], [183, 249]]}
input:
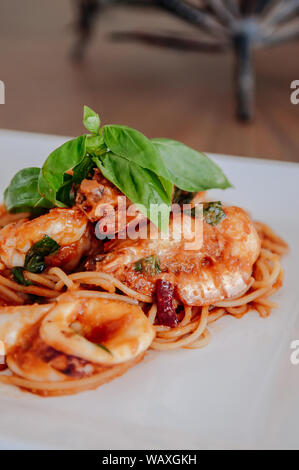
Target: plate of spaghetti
{"points": [[118, 253]]}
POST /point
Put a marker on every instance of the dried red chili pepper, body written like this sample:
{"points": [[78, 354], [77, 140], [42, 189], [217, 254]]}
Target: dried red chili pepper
{"points": [[166, 314]]}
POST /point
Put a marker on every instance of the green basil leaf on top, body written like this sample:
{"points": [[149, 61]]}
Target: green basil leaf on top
{"points": [[83, 170], [35, 258], [95, 145], [135, 147], [145, 170], [22, 194], [188, 169], [139, 184], [65, 194], [168, 186], [64, 158], [91, 120]]}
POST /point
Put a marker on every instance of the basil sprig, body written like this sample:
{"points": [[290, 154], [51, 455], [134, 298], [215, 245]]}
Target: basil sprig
{"points": [[135, 147], [91, 120], [140, 185], [145, 170]]}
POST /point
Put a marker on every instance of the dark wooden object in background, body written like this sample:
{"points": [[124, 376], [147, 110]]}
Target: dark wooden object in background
{"points": [[223, 25], [181, 96]]}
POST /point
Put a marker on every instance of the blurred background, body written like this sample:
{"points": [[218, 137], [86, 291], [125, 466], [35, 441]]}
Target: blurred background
{"points": [[188, 96]]}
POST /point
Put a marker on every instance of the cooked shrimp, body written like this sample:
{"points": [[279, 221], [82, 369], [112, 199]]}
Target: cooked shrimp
{"points": [[68, 227], [220, 269], [74, 338]]}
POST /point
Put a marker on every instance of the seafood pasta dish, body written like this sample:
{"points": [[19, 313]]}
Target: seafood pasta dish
{"points": [[112, 248]]}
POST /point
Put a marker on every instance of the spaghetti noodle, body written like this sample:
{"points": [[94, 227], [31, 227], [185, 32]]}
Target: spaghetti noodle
{"points": [[266, 280], [68, 329], [191, 331]]}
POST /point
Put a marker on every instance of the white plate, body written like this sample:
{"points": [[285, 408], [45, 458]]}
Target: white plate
{"points": [[239, 392]]}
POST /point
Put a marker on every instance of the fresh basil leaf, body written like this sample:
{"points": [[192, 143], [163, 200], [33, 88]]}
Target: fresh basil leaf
{"points": [[140, 185], [18, 276], [45, 189], [35, 258], [65, 194], [135, 147], [104, 347], [22, 194], [64, 158], [35, 264], [168, 186], [188, 169], [91, 120], [83, 170], [149, 265], [95, 145]]}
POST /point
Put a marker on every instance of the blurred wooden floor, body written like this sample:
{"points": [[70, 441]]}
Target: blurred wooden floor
{"points": [[188, 97]]}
